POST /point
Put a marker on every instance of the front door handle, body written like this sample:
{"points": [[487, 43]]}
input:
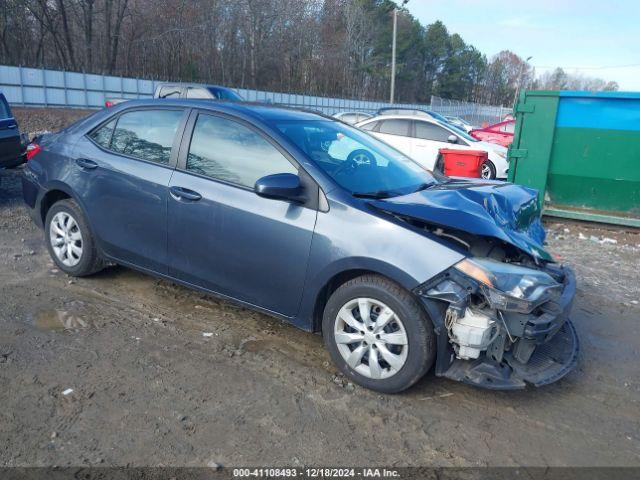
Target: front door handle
{"points": [[181, 193], [86, 164]]}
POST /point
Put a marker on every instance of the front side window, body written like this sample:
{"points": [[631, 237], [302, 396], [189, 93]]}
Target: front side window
{"points": [[229, 151], [146, 134], [430, 131], [395, 126], [357, 161]]}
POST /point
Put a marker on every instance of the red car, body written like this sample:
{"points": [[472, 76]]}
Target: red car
{"points": [[500, 133]]}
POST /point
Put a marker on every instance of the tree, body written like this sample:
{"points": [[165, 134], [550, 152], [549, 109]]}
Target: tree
{"points": [[323, 47]]}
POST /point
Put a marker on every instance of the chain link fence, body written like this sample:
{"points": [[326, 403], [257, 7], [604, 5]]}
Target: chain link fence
{"points": [[474, 113]]}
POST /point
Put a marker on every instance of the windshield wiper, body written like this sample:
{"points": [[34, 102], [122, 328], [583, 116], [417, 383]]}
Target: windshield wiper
{"points": [[425, 186], [377, 195]]}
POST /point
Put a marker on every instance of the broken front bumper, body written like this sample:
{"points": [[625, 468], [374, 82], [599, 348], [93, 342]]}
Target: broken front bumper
{"points": [[536, 348]]}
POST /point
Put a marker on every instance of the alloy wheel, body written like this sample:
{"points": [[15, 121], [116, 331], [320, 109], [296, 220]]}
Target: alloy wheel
{"points": [[66, 239], [485, 171], [371, 338]]}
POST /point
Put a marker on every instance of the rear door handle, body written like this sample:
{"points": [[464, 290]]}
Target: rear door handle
{"points": [[181, 193], [86, 164], [12, 126]]}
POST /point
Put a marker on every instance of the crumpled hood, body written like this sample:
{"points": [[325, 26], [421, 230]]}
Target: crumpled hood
{"points": [[492, 209]]}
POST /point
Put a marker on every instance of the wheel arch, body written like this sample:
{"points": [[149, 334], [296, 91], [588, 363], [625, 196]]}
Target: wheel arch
{"points": [[339, 276]]}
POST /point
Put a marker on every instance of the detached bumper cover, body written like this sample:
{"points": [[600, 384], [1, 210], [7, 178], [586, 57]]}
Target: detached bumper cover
{"points": [[550, 361]]}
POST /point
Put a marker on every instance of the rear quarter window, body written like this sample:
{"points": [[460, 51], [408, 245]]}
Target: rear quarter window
{"points": [[102, 135]]}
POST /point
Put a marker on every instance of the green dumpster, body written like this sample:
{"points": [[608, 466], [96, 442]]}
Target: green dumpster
{"points": [[581, 150]]}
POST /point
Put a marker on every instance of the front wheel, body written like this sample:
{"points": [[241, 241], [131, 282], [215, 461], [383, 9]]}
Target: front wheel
{"points": [[378, 335], [488, 170]]}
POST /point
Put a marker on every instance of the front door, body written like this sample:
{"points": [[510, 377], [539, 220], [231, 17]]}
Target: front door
{"points": [[222, 235], [429, 139], [122, 175]]}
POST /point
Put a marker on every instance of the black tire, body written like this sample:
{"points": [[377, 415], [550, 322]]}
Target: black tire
{"points": [[492, 170], [419, 330], [90, 260]]}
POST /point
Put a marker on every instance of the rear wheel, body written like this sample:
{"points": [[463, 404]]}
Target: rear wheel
{"points": [[69, 240], [378, 334]]}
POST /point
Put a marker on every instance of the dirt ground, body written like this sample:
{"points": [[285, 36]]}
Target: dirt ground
{"points": [[149, 388]]}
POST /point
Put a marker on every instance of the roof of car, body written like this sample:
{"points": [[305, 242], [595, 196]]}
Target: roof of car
{"points": [[202, 85], [403, 117], [258, 111]]}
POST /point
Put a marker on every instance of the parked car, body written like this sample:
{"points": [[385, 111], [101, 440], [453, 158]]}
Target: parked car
{"points": [[352, 117], [398, 268], [499, 133], [460, 123], [12, 152], [421, 138], [418, 112], [187, 90]]}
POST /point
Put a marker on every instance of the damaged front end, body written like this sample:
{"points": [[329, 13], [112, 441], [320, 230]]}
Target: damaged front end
{"points": [[503, 325], [501, 314]]}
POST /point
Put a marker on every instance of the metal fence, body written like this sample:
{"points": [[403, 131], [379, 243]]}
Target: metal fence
{"points": [[54, 88]]}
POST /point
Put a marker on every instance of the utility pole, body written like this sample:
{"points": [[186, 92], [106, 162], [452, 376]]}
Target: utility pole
{"points": [[515, 97], [393, 52]]}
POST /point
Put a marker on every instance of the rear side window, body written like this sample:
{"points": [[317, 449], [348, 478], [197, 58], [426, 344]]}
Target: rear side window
{"points": [[429, 131], [198, 93], [146, 134], [4, 109], [226, 150], [395, 126]]}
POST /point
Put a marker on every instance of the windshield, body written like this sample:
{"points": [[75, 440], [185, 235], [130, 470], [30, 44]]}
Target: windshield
{"points": [[459, 131], [358, 162], [226, 94]]}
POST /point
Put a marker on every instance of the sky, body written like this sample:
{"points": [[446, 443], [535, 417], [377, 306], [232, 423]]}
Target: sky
{"points": [[588, 37]]}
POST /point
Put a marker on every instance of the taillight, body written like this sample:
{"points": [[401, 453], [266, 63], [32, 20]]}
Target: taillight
{"points": [[108, 104], [32, 150]]}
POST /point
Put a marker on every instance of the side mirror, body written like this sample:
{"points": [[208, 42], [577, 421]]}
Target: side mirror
{"points": [[452, 139], [281, 186]]}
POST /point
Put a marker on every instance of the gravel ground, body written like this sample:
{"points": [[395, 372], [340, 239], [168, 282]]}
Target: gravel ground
{"points": [[148, 388], [38, 120]]}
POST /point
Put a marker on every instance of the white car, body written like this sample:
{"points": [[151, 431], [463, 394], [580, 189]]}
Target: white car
{"points": [[352, 117], [421, 138]]}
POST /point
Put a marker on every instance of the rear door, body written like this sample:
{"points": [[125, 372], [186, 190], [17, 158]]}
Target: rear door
{"points": [[10, 146], [222, 235], [122, 172], [395, 131]]}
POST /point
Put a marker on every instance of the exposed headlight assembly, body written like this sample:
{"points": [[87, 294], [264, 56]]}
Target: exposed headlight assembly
{"points": [[510, 287]]}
